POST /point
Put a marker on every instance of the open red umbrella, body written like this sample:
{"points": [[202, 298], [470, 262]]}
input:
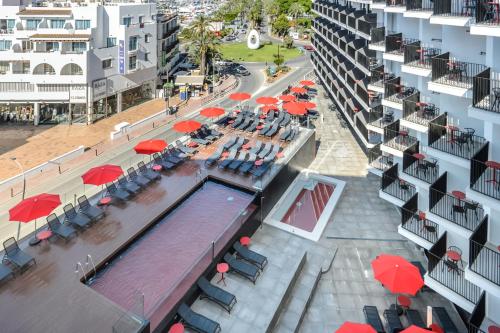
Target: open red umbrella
{"points": [[307, 83], [397, 274], [102, 174], [212, 112], [350, 327], [309, 105], [149, 147], [33, 208], [266, 100], [240, 96], [187, 126], [295, 108], [298, 90], [287, 98], [269, 107]]}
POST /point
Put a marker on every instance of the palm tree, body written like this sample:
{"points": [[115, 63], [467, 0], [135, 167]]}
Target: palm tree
{"points": [[203, 42], [272, 9], [296, 10]]}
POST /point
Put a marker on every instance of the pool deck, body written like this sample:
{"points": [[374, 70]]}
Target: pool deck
{"points": [[49, 296]]}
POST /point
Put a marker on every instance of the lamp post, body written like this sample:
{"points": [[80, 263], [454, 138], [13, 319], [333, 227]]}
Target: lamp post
{"points": [[167, 92], [24, 191]]}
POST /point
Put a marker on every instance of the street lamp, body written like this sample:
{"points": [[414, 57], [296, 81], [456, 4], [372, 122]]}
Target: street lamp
{"points": [[24, 190], [168, 87]]}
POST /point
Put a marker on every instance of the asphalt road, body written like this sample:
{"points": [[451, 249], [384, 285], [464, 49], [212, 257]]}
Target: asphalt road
{"points": [[69, 183]]}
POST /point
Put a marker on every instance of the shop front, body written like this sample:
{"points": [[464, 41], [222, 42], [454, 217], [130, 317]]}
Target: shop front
{"points": [[137, 95], [17, 113]]}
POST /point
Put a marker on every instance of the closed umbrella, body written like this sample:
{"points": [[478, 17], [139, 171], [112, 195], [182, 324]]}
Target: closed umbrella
{"points": [[187, 126], [266, 100], [149, 147], [350, 327]]}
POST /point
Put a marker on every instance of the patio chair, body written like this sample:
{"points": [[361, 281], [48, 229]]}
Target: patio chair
{"points": [[270, 115], [131, 187], [235, 164], [136, 178], [61, 230], [228, 160], [414, 318], [5, 273], [445, 320], [215, 294], [243, 268], [14, 255], [166, 165], [393, 322], [231, 142], [266, 150], [256, 148], [215, 156], [117, 193], [196, 321], [273, 130], [496, 101], [472, 206], [183, 148], [169, 156], [286, 120], [206, 134], [253, 257], [215, 132], [72, 216], [249, 163], [86, 208], [147, 172], [372, 318]]}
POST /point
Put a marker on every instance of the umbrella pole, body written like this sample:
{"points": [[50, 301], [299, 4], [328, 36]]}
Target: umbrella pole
{"points": [[34, 241]]}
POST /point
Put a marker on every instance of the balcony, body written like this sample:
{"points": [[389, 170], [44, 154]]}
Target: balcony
{"points": [[366, 24], [419, 6], [395, 93], [397, 138], [453, 12], [417, 165], [487, 19], [377, 39], [486, 94], [378, 161], [367, 59], [395, 46], [418, 59], [485, 175], [419, 113], [453, 207], [379, 118], [395, 187], [415, 223], [395, 6]]}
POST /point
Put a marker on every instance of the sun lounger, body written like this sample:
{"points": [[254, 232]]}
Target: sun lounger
{"points": [[205, 134], [137, 178], [86, 208], [215, 156], [237, 122], [228, 160], [196, 321], [445, 320], [177, 153], [242, 267], [195, 137], [235, 164], [293, 134], [253, 126], [244, 124], [253, 257], [266, 128], [286, 133], [266, 150], [72, 216], [270, 116], [372, 318], [5, 273], [249, 163], [393, 321], [280, 117], [230, 143], [182, 147], [117, 193], [286, 120], [166, 165], [61, 230], [273, 130], [255, 149], [217, 295], [169, 155], [148, 173], [214, 132], [414, 318], [14, 255], [239, 143], [260, 170], [131, 187]]}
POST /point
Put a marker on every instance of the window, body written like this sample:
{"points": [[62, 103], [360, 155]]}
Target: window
{"points": [[127, 21], [11, 24], [141, 19], [4, 67], [52, 46], [5, 45], [78, 47], [147, 38], [57, 24], [107, 63], [132, 62], [32, 24], [111, 41], [132, 43], [82, 24], [146, 56]]}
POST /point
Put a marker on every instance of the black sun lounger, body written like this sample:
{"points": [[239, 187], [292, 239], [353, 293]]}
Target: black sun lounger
{"points": [[14, 255], [242, 267], [173, 151], [260, 170], [117, 193], [166, 165], [445, 320], [5, 273], [228, 160], [86, 208], [217, 295], [249, 163], [169, 155], [393, 321], [199, 140], [266, 128], [286, 133], [253, 257], [61, 230], [240, 142], [231, 142], [286, 120], [266, 150], [215, 132], [207, 134], [237, 122], [72, 216], [183, 148], [147, 172], [273, 130], [244, 124], [196, 321], [253, 126], [372, 318], [255, 149], [414, 318], [293, 134], [215, 156], [131, 187], [136, 178], [235, 164]]}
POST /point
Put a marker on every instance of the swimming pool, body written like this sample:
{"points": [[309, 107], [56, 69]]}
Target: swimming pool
{"points": [[164, 262]]}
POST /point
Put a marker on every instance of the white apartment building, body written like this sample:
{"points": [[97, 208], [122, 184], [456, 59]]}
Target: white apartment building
{"points": [[418, 81], [75, 61]]}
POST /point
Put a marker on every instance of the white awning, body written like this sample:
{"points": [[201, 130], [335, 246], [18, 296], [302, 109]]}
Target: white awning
{"points": [[193, 80]]}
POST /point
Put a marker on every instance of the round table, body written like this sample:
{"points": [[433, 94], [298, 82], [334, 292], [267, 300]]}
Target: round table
{"points": [[493, 329], [259, 162], [156, 167], [176, 328], [222, 268], [458, 194], [246, 146], [225, 154], [280, 155], [453, 255], [105, 201], [44, 235], [404, 301], [245, 240], [192, 144], [259, 127], [419, 156]]}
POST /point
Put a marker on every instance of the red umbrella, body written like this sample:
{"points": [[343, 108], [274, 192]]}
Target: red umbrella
{"points": [[149, 147], [287, 98], [350, 327], [187, 126], [309, 105], [269, 107], [34, 207], [295, 108], [266, 100], [415, 329], [397, 274], [298, 90], [307, 83], [239, 97], [102, 174], [212, 112]]}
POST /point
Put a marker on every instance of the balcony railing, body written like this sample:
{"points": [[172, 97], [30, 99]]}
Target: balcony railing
{"points": [[486, 12], [396, 44], [415, 222], [396, 187], [484, 260], [379, 161], [459, 8], [398, 139], [484, 174], [396, 92], [486, 91], [395, 3], [378, 76], [380, 118], [419, 56], [448, 71], [366, 27], [377, 36], [424, 169], [420, 113], [420, 5]]}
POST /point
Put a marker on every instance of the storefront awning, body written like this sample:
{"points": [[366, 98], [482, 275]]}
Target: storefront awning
{"points": [[45, 12], [193, 80], [60, 37]]}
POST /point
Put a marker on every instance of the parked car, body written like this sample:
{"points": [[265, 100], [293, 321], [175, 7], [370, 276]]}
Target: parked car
{"points": [[308, 48]]}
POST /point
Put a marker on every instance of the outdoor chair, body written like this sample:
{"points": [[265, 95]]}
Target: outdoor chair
{"points": [[196, 321], [445, 320], [206, 134], [489, 12], [242, 267], [147, 172], [249, 163], [5, 273], [131, 187], [457, 208], [273, 130], [72, 216], [87, 209], [14, 255], [215, 156], [259, 171], [496, 101], [372, 318], [256, 148], [286, 120], [215, 132], [236, 163], [136, 178], [293, 134], [176, 152], [248, 255], [117, 193], [215, 294], [228, 160], [472, 206], [244, 124], [393, 322], [199, 140], [253, 126], [414, 318], [59, 229], [231, 142], [166, 165]]}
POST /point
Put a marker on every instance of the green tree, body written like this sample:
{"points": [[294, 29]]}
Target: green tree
{"points": [[272, 9], [288, 42], [255, 14], [278, 60], [296, 10], [203, 44], [281, 25]]}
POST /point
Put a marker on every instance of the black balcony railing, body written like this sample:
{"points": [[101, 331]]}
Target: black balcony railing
{"points": [[482, 259], [396, 92], [453, 72], [450, 274], [486, 92], [484, 174], [377, 76], [415, 222], [377, 160], [376, 117], [395, 3], [460, 8], [462, 212], [419, 112], [396, 187], [417, 165], [366, 26], [396, 44], [398, 137], [420, 56], [487, 12], [420, 5], [377, 36]]}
